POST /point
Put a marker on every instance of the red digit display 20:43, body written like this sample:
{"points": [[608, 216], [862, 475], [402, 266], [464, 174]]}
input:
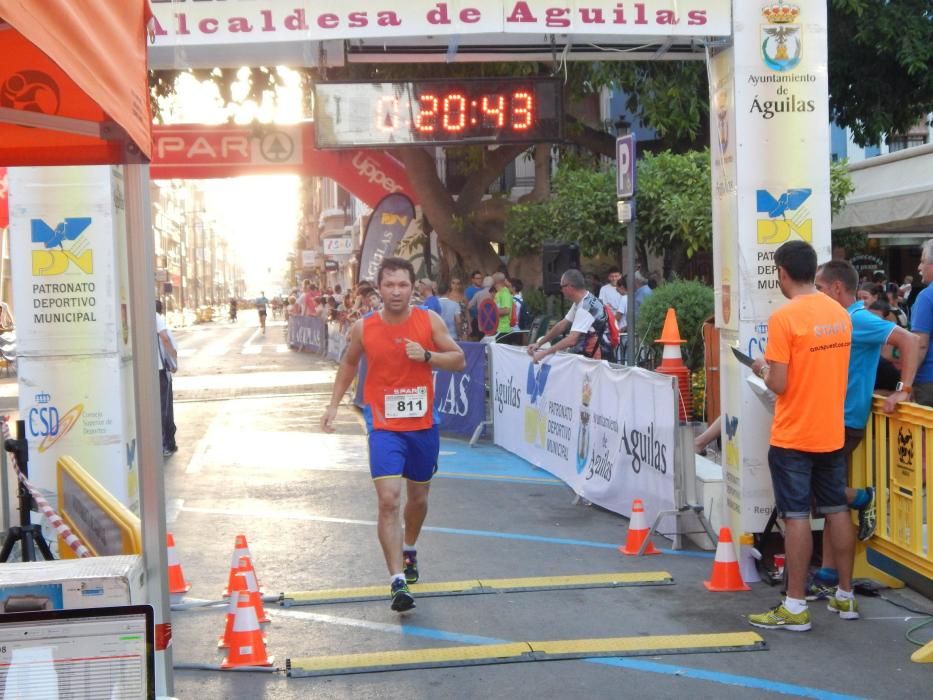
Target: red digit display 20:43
{"points": [[437, 112]]}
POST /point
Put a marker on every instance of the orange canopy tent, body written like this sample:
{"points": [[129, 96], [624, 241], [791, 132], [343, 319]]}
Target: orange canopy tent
{"points": [[73, 83]]}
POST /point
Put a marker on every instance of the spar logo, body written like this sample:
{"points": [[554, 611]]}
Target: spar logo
{"points": [[46, 422], [370, 170], [53, 258], [784, 215]]}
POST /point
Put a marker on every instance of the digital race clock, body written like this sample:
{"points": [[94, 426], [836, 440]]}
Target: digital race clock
{"points": [[427, 112]]}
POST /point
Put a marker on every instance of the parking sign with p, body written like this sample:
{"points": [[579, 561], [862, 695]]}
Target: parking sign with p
{"points": [[625, 166]]}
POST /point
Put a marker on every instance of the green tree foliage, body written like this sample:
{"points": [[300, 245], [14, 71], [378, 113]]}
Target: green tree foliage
{"points": [[582, 210], [692, 301], [673, 205], [840, 187], [880, 65], [673, 208], [670, 97]]}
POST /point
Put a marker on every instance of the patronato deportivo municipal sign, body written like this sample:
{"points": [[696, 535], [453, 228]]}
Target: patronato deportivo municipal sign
{"points": [[264, 21]]}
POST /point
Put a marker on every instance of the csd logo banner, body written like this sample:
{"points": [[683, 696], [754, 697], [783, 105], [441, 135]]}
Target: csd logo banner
{"points": [[53, 259]]}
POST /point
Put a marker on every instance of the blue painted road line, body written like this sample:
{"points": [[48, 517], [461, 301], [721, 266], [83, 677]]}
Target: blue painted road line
{"points": [[308, 517], [653, 667], [488, 460], [555, 540]]}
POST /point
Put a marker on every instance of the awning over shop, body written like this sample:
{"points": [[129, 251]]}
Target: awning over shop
{"points": [[73, 82], [893, 194]]}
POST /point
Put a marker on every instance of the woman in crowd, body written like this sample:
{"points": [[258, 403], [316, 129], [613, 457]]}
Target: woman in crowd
{"points": [[869, 293], [888, 374], [457, 294], [892, 296]]}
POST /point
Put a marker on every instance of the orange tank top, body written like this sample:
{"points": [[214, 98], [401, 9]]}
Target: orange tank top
{"points": [[398, 393]]}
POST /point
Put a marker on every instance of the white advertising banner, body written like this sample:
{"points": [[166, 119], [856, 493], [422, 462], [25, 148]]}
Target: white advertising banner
{"points": [[607, 433], [271, 21], [771, 185]]}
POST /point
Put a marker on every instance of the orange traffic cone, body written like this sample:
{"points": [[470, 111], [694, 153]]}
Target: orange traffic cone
{"points": [[726, 575], [177, 586], [223, 641], [255, 597], [672, 362], [246, 645], [240, 583], [240, 549], [637, 531]]}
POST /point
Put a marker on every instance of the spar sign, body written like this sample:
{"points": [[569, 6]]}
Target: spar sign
{"points": [[193, 151], [608, 433]]}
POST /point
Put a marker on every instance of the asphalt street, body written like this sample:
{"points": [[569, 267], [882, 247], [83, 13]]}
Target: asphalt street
{"points": [[251, 460]]}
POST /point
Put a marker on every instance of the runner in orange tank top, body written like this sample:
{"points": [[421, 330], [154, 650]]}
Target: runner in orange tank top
{"points": [[402, 345]]}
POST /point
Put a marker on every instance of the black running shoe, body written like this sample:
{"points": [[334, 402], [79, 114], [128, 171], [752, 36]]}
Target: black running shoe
{"points": [[411, 566], [401, 596]]}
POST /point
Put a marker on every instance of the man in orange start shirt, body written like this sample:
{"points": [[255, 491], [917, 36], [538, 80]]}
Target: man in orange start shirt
{"points": [[806, 364], [401, 344]]}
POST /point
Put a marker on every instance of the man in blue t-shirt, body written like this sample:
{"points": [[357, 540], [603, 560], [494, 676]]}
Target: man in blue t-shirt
{"points": [[838, 280], [921, 323], [430, 301]]}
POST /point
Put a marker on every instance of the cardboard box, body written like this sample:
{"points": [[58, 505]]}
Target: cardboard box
{"points": [[72, 584]]}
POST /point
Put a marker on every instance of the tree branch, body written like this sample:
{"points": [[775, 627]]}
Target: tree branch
{"points": [[478, 182], [592, 139], [542, 188]]}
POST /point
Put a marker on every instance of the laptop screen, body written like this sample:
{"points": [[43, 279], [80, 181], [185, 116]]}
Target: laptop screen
{"points": [[90, 653]]}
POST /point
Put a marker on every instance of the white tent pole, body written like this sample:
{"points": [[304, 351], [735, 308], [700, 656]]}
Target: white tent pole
{"points": [[68, 125], [141, 262]]}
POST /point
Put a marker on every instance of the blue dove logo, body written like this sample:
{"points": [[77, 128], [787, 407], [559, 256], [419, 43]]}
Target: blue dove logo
{"points": [[536, 381], [731, 425], [52, 259], [67, 230], [786, 214]]}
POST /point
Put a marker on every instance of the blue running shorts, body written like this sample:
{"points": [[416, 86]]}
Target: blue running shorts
{"points": [[408, 454]]}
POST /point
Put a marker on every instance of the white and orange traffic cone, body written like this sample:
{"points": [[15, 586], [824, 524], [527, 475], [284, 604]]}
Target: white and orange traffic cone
{"points": [[726, 575], [247, 647], [223, 641], [252, 588], [672, 362], [240, 549], [177, 585], [637, 532]]}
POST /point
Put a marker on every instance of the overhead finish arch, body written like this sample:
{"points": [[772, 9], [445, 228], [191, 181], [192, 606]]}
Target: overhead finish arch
{"points": [[769, 121]]}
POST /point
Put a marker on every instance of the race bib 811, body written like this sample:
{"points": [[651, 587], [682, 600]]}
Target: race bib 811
{"points": [[407, 403]]}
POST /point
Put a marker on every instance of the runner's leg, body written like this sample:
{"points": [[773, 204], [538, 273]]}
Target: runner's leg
{"points": [[388, 494], [416, 510]]}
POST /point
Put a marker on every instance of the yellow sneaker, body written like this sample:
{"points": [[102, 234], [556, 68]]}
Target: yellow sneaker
{"points": [[780, 618]]}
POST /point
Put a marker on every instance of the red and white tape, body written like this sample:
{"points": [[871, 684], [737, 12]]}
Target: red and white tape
{"points": [[43, 505]]}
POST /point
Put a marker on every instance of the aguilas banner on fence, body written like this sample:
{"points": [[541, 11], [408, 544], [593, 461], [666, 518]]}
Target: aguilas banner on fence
{"points": [[306, 333], [608, 433], [460, 397]]}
